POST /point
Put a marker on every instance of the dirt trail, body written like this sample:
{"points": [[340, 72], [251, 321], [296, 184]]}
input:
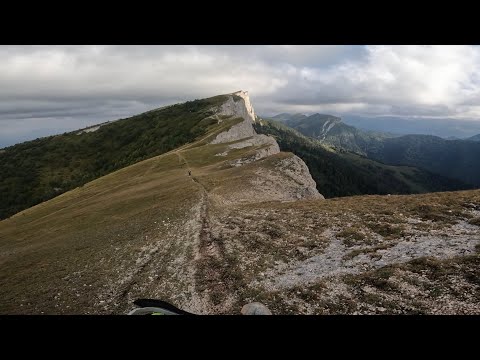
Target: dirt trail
{"points": [[123, 297], [209, 256]]}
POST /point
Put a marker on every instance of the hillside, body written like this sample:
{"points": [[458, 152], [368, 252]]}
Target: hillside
{"points": [[474, 138], [38, 170], [286, 117], [456, 159], [246, 225], [144, 230], [340, 173], [396, 126], [332, 131]]}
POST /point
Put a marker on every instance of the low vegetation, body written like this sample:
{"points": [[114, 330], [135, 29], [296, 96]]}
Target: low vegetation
{"points": [[38, 170], [475, 221]]}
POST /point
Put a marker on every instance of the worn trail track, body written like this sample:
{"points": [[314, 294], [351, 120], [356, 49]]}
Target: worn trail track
{"points": [[209, 253], [208, 256]]}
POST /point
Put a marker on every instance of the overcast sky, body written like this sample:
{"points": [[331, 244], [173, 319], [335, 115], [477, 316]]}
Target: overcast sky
{"points": [[52, 89]]}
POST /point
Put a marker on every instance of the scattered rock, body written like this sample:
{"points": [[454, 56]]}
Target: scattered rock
{"points": [[255, 308]]}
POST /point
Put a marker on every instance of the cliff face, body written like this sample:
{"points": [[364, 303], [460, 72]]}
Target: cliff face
{"points": [[296, 169], [243, 135], [248, 106], [238, 106]]}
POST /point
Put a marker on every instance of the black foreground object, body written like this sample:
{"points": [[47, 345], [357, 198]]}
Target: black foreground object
{"points": [[152, 303]]}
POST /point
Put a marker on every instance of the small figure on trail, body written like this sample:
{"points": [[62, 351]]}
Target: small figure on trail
{"points": [[189, 173]]}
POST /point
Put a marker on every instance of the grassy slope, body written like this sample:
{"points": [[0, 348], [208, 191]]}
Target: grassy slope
{"points": [[141, 232], [134, 233], [345, 174], [75, 243], [89, 249], [39, 170]]}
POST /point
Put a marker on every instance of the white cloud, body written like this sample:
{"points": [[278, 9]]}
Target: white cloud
{"points": [[406, 76], [80, 84]]}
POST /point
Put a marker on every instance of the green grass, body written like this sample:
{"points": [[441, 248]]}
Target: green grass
{"points": [[41, 169]]}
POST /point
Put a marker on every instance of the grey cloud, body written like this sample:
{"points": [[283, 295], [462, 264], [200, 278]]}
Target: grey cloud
{"points": [[59, 87]]}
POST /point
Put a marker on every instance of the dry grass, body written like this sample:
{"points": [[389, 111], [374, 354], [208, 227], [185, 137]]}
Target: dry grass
{"points": [[352, 236], [475, 221], [363, 222], [132, 233], [433, 279], [88, 231], [368, 250], [387, 230]]}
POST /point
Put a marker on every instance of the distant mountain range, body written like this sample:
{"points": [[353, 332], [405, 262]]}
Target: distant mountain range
{"points": [[451, 158], [340, 173], [474, 138], [331, 130], [445, 128]]}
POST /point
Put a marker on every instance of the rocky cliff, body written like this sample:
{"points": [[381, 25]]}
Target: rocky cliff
{"points": [[237, 106], [243, 135]]}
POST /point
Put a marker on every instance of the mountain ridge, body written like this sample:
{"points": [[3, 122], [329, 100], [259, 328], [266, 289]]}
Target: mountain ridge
{"points": [[212, 225], [474, 138], [38, 170], [449, 158], [341, 173], [157, 217]]}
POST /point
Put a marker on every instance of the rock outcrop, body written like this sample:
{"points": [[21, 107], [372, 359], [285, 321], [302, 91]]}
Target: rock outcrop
{"points": [[237, 106], [243, 135], [297, 170], [266, 146]]}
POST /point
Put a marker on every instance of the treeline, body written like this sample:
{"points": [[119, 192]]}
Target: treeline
{"points": [[458, 159]]}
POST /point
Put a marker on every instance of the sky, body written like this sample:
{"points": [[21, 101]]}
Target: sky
{"points": [[47, 90]]}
